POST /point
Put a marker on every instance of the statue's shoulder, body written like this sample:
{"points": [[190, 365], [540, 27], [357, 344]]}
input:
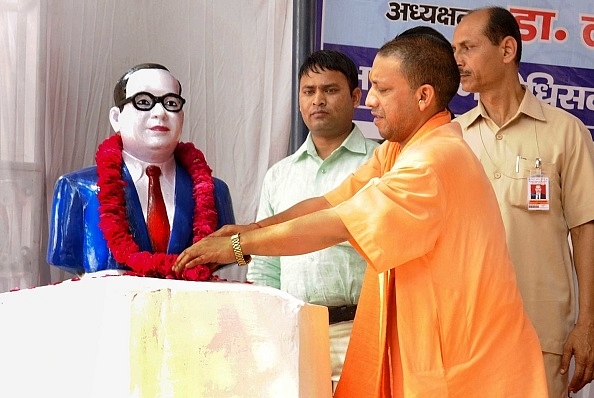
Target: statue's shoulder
{"points": [[84, 173], [86, 177]]}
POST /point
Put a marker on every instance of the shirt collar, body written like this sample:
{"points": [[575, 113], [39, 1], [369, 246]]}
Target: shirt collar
{"points": [[355, 142], [437, 120], [530, 106], [136, 168]]}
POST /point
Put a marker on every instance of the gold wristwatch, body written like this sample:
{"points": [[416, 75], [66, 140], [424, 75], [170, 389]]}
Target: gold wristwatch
{"points": [[239, 257]]}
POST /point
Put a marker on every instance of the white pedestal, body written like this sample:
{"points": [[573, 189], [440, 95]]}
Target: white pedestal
{"points": [[125, 336]]}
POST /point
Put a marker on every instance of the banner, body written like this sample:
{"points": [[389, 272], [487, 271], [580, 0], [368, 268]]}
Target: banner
{"points": [[557, 51]]}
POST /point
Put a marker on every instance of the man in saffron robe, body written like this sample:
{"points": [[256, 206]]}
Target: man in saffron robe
{"points": [[99, 213], [440, 314]]}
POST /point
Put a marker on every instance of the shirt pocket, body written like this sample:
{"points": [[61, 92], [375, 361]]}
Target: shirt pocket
{"points": [[516, 193]]}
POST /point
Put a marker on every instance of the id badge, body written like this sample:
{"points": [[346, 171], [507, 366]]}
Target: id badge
{"points": [[538, 189]]}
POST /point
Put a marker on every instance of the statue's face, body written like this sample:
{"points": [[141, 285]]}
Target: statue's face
{"points": [[149, 135]]}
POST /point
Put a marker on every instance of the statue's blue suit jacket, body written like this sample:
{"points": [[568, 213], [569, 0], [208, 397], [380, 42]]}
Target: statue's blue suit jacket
{"points": [[76, 244]]}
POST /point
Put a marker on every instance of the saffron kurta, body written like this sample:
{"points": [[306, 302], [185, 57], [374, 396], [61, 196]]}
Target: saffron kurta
{"points": [[440, 314]]}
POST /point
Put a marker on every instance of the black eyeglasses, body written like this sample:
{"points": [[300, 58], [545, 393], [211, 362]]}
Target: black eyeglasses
{"points": [[144, 101]]}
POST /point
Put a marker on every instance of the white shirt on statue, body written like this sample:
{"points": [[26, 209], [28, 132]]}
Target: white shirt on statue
{"points": [[136, 168]]}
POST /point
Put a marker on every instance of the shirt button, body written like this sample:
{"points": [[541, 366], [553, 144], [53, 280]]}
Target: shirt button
{"points": [[499, 136], [323, 171], [497, 175]]}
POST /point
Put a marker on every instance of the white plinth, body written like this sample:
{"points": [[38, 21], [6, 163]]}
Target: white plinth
{"points": [[125, 336]]}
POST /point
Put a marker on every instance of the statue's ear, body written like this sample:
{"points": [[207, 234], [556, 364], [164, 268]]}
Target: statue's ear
{"points": [[114, 116]]}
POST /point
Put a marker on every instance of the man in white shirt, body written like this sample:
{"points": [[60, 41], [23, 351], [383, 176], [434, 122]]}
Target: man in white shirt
{"points": [[334, 148]]}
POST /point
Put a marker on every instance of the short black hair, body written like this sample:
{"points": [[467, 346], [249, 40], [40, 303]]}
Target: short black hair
{"points": [[425, 30], [501, 24], [322, 60], [426, 59], [119, 92]]}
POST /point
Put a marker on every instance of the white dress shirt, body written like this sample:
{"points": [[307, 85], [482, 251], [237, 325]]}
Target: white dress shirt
{"points": [[136, 168]]}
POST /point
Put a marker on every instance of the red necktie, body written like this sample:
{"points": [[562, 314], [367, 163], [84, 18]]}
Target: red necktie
{"points": [[157, 221]]}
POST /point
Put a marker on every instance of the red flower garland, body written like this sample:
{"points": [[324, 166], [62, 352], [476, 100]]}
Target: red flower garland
{"points": [[114, 222]]}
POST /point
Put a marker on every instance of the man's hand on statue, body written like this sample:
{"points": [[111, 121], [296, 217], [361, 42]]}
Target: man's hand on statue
{"points": [[210, 250], [232, 229]]}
